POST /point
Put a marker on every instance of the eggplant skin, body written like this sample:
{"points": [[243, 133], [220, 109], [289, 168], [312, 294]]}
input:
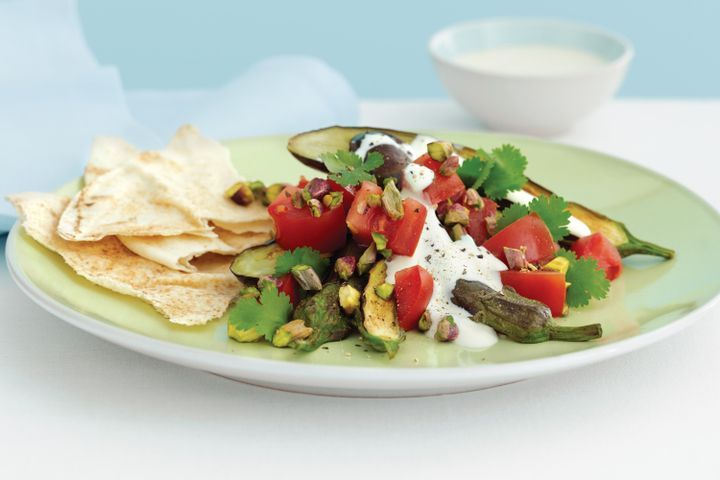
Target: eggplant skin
{"points": [[519, 318], [256, 262], [308, 146]]}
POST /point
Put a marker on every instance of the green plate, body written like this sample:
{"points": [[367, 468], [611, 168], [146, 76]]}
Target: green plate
{"points": [[650, 300]]}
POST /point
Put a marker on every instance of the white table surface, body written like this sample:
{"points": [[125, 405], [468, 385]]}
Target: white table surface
{"points": [[73, 406]]}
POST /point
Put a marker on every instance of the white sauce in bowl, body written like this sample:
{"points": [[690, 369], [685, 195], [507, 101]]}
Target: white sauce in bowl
{"points": [[531, 60]]}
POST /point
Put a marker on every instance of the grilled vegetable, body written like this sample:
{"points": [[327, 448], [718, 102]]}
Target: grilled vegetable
{"points": [[521, 319], [257, 262], [307, 147], [378, 323], [322, 313]]}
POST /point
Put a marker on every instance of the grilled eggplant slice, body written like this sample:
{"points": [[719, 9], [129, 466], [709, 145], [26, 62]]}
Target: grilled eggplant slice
{"points": [[256, 262], [378, 323], [308, 146]]}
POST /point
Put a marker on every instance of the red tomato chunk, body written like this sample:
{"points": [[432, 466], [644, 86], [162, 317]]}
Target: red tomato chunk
{"points": [[296, 227], [545, 287], [413, 289], [529, 232], [601, 249]]}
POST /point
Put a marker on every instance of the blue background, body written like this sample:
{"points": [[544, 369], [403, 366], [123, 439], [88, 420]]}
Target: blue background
{"points": [[381, 47]]}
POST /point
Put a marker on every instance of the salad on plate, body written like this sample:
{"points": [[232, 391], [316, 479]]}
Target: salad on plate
{"points": [[398, 234], [420, 235]]}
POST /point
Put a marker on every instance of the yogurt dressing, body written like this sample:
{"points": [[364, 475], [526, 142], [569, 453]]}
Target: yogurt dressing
{"points": [[531, 60], [576, 226], [447, 261]]}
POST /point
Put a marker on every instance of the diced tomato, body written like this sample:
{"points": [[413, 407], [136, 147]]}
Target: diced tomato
{"points": [[296, 227], [413, 289], [303, 181], [361, 217], [601, 249], [529, 232], [477, 228], [348, 194], [289, 286], [405, 233], [442, 187], [545, 287], [402, 235]]}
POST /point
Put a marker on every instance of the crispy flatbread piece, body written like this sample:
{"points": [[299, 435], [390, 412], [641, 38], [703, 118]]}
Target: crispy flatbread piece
{"points": [[175, 191], [184, 298]]}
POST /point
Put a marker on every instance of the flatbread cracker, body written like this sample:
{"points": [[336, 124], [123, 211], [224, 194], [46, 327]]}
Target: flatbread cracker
{"points": [[175, 191], [184, 298]]}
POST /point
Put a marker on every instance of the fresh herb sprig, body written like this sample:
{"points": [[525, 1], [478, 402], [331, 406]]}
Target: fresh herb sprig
{"points": [[272, 312], [553, 210], [497, 173], [301, 256], [347, 168], [586, 279]]}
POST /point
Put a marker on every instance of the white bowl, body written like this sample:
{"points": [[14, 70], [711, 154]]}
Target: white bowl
{"points": [[529, 102]]}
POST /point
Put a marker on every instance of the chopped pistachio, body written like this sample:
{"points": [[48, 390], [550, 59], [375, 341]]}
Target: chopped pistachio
{"points": [[244, 336], [315, 207], [258, 189], [380, 240], [291, 332], [297, 199], [447, 329], [374, 200], [425, 322], [265, 281], [557, 264], [516, 258], [367, 259], [473, 199], [272, 192], [240, 193], [392, 201], [491, 223], [457, 231], [332, 199], [249, 292], [449, 166], [386, 252], [345, 266], [317, 188], [439, 151], [385, 290], [457, 214], [349, 298], [306, 277]]}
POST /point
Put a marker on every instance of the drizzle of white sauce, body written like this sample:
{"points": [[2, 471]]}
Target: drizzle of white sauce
{"points": [[373, 139], [576, 226], [447, 261]]}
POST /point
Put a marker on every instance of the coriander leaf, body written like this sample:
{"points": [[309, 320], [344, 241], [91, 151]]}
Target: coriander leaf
{"points": [[301, 256], [373, 160], [508, 172], [340, 160], [586, 280], [347, 168], [475, 170], [554, 212], [351, 177], [514, 212], [265, 317]]}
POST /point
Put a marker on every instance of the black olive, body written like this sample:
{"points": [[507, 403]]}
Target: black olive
{"points": [[395, 161]]}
